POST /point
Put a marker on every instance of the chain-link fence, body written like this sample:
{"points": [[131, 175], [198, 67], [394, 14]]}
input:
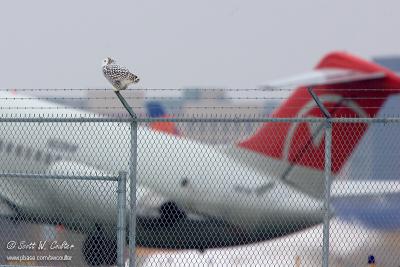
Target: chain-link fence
{"points": [[260, 199]]}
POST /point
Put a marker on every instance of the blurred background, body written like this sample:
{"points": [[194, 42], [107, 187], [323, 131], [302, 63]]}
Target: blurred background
{"points": [[195, 58]]}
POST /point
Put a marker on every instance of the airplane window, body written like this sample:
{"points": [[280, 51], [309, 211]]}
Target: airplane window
{"points": [[38, 155], [202, 126], [249, 128], [225, 127], [9, 147], [28, 153], [18, 150], [47, 159]]}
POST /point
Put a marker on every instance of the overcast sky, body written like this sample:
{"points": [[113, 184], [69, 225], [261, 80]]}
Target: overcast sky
{"points": [[180, 43]]}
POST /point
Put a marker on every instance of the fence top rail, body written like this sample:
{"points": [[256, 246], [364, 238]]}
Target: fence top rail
{"points": [[195, 119], [59, 177]]}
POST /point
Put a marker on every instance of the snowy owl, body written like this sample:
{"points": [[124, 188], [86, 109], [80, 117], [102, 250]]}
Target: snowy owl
{"points": [[118, 76]]}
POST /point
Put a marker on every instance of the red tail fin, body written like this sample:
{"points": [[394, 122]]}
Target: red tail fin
{"points": [[303, 143]]}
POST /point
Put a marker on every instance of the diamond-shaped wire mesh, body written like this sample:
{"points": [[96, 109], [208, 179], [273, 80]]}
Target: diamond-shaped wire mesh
{"points": [[231, 202], [47, 221], [222, 196], [366, 222]]}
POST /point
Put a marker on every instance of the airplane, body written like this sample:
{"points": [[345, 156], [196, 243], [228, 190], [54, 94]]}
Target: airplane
{"points": [[192, 195], [155, 109]]}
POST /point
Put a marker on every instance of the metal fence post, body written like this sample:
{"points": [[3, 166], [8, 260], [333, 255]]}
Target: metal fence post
{"points": [[132, 181], [328, 164], [132, 220], [327, 193], [121, 228]]}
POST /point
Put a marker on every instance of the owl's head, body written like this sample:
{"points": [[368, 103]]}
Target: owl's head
{"points": [[108, 61]]}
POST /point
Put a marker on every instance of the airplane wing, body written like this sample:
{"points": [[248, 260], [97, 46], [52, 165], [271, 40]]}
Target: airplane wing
{"points": [[148, 202], [374, 204], [364, 187], [7, 208]]}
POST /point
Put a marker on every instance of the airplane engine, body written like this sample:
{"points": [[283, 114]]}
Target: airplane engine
{"points": [[170, 213]]}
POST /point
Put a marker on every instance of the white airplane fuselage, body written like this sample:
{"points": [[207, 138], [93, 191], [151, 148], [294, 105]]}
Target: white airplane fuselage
{"points": [[216, 185]]}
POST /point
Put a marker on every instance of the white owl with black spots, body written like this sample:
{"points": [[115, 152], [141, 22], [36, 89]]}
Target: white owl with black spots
{"points": [[120, 77]]}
